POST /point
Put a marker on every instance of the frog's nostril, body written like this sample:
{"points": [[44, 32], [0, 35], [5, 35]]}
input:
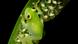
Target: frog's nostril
{"points": [[25, 21], [33, 7], [36, 10]]}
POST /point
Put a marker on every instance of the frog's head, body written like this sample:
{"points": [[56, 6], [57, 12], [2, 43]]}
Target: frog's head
{"points": [[34, 23]]}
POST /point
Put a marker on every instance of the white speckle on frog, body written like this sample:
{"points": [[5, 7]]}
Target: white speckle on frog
{"points": [[18, 41], [23, 30]]}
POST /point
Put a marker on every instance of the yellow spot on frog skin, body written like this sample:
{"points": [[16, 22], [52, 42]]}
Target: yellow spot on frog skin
{"points": [[26, 35], [23, 30], [18, 41]]}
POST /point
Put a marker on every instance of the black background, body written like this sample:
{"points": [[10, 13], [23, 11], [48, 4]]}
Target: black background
{"points": [[61, 29]]}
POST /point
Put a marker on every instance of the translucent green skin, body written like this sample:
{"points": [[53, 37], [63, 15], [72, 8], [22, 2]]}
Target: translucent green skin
{"points": [[34, 26]]}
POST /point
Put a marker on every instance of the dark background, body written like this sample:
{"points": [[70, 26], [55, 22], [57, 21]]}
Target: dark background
{"points": [[61, 29]]}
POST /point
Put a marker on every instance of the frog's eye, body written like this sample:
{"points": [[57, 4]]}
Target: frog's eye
{"points": [[28, 16]]}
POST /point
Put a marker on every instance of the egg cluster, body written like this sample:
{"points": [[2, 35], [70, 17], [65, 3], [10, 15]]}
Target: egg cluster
{"points": [[50, 8]]}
